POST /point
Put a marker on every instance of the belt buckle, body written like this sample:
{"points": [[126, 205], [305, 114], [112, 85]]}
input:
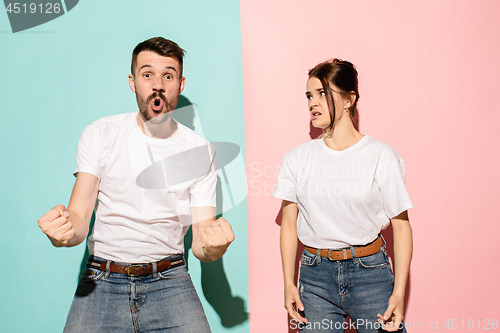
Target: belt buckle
{"points": [[127, 270], [328, 255], [344, 251]]}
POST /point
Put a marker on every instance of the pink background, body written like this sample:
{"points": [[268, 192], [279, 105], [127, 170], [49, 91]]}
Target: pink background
{"points": [[429, 80]]}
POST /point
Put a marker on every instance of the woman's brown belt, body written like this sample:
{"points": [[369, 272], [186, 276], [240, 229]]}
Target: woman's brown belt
{"points": [[344, 254]]}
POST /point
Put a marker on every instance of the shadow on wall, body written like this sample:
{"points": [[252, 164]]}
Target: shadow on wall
{"points": [[387, 234], [215, 285]]}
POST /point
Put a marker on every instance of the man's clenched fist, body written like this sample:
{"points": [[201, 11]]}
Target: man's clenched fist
{"points": [[216, 238], [56, 226]]}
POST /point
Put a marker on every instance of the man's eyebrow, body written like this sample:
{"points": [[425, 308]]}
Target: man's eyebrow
{"points": [[144, 66], [167, 67]]}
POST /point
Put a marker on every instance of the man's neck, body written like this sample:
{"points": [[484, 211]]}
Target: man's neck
{"points": [[164, 130]]}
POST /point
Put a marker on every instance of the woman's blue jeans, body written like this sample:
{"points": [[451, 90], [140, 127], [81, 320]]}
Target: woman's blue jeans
{"points": [[161, 302], [332, 290]]}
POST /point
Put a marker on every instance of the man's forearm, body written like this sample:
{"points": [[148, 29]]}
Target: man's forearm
{"points": [[80, 226]]}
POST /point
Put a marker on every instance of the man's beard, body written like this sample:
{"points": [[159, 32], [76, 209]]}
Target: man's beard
{"points": [[145, 110]]}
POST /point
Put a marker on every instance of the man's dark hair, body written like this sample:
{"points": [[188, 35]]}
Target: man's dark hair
{"points": [[161, 46]]}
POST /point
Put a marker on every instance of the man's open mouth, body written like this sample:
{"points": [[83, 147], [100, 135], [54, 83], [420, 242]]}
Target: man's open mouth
{"points": [[157, 104]]}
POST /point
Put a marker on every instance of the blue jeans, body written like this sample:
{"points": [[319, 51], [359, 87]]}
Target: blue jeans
{"points": [[160, 302], [332, 290]]}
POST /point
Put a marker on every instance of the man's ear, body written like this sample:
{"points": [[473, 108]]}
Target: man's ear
{"points": [[182, 84], [131, 82]]}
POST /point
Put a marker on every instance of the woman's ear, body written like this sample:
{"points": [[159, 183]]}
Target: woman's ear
{"points": [[352, 99]]}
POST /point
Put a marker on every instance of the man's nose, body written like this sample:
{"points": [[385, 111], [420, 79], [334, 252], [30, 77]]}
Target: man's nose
{"points": [[158, 84]]}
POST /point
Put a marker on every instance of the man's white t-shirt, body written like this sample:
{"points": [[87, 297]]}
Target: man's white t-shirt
{"points": [[345, 198], [147, 187]]}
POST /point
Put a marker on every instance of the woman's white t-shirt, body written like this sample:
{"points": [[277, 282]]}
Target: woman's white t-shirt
{"points": [[345, 198]]}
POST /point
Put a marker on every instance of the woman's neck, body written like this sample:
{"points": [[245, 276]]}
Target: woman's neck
{"points": [[342, 136]]}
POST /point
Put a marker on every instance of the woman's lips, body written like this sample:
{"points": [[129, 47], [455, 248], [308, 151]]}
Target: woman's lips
{"points": [[315, 115]]}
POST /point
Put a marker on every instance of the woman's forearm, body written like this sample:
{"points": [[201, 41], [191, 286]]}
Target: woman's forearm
{"points": [[288, 245], [288, 241], [403, 250]]}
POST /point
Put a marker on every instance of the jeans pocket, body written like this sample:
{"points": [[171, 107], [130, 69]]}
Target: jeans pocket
{"points": [[376, 260], [88, 281], [307, 258], [92, 274], [175, 272]]}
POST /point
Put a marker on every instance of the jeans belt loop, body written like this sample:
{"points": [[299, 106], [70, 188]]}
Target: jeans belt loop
{"points": [[155, 270], [353, 253], [108, 271], [318, 256], [385, 244]]}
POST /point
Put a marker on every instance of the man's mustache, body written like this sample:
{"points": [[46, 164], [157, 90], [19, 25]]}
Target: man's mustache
{"points": [[155, 95]]}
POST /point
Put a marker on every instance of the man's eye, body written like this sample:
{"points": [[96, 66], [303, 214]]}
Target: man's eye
{"points": [[146, 75], [169, 76]]}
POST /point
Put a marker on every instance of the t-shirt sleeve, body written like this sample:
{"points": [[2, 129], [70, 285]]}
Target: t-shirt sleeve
{"points": [[87, 156], [286, 186], [203, 192], [390, 177]]}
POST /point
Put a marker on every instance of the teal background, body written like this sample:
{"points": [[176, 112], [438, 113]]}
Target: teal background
{"points": [[59, 77]]}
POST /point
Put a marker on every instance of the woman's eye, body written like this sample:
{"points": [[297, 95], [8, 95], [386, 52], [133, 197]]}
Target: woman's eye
{"points": [[322, 93]]}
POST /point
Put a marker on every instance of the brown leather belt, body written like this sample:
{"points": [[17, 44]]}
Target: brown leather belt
{"points": [[136, 269], [344, 254]]}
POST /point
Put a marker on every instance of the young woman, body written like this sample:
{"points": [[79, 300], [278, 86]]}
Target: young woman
{"points": [[339, 191]]}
